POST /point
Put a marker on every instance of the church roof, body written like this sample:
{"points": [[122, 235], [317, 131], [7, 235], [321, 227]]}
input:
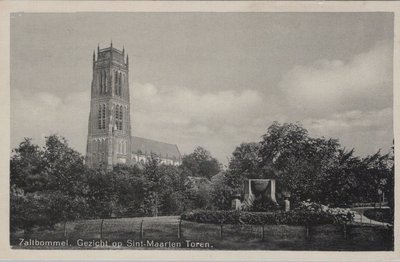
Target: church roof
{"points": [[146, 146]]}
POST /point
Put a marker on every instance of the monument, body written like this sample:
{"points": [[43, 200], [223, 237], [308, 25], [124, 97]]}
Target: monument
{"points": [[255, 189]]}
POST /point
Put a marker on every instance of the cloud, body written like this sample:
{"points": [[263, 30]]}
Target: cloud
{"points": [[351, 120], [40, 114], [217, 120], [347, 99], [367, 131], [327, 86]]}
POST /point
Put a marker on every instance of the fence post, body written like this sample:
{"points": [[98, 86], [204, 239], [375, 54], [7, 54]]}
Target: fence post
{"points": [[141, 229], [65, 229], [220, 231], [263, 232], [180, 228], [307, 232], [344, 231], [101, 228]]}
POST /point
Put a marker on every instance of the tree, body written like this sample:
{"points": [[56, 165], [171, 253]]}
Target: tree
{"points": [[101, 195], [173, 195], [342, 180], [49, 183], [224, 186], [26, 166], [298, 161], [154, 182], [129, 190], [200, 163], [389, 186], [246, 161]]}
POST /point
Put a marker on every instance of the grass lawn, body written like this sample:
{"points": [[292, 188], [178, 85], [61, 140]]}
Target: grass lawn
{"points": [[382, 215], [166, 230]]}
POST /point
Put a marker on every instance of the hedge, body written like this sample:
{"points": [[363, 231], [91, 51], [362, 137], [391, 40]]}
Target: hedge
{"points": [[294, 217]]}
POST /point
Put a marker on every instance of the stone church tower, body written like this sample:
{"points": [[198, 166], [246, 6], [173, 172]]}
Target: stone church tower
{"points": [[109, 135]]}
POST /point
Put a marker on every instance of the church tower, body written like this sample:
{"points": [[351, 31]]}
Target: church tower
{"points": [[109, 130]]}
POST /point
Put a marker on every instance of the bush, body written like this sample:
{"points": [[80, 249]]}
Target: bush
{"points": [[340, 215], [263, 205], [295, 217]]}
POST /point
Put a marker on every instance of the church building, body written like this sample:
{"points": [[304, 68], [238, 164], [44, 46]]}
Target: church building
{"points": [[109, 139]]}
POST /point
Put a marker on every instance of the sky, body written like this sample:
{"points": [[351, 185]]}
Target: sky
{"points": [[210, 79]]}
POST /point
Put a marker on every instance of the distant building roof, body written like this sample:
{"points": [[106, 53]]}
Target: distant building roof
{"points": [[147, 146]]}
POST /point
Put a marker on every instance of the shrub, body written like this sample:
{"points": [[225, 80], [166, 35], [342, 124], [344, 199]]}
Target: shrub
{"points": [[295, 217], [339, 215], [263, 205]]}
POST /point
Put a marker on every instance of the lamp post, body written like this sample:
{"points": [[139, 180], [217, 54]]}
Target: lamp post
{"points": [[380, 197], [236, 204], [286, 194]]}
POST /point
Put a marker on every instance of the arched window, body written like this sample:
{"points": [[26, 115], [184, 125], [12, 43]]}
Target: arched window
{"points": [[99, 118], [116, 115], [104, 82], [120, 84], [120, 119], [104, 117], [116, 83], [99, 81]]}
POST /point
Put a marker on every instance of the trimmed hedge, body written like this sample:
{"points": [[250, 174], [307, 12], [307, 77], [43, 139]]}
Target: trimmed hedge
{"points": [[294, 217]]}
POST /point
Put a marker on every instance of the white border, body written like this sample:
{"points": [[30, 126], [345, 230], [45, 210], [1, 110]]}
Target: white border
{"points": [[8, 7]]}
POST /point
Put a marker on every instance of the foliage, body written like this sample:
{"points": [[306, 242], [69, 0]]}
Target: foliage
{"points": [[200, 163], [101, 195], [264, 204], [246, 161], [46, 184], [224, 186], [306, 167], [298, 160], [340, 215], [51, 184], [26, 166], [294, 217]]}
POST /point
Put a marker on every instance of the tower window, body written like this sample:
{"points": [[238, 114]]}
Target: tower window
{"points": [[101, 118], [104, 86], [100, 79], [120, 84], [118, 117], [116, 83], [104, 117]]}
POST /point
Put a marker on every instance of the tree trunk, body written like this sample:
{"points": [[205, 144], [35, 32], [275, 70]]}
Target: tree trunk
{"points": [[156, 206]]}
